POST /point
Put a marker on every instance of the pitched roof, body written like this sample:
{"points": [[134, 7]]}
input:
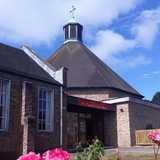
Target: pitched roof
{"points": [[85, 69], [16, 61]]}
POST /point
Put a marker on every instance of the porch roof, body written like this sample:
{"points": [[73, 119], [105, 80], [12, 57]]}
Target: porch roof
{"points": [[86, 103]]}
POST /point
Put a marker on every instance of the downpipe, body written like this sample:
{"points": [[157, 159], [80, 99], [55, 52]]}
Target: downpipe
{"points": [[61, 116]]}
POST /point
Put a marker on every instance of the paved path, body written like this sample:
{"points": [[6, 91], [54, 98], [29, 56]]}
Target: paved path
{"points": [[132, 150]]}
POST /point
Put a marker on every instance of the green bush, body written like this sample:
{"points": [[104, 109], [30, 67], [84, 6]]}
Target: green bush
{"points": [[94, 151]]}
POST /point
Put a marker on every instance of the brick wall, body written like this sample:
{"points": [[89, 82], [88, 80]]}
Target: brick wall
{"points": [[90, 94], [140, 116], [123, 125], [71, 124], [11, 141], [98, 94], [110, 131], [116, 124], [50, 140], [132, 116]]}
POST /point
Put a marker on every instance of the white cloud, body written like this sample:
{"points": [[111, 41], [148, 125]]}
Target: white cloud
{"points": [[128, 62], [109, 43], [151, 74], [38, 21], [111, 47], [146, 27], [136, 60], [103, 11]]}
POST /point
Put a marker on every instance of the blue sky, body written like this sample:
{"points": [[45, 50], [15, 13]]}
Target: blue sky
{"points": [[124, 34]]}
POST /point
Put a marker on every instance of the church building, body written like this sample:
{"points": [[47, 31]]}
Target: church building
{"points": [[71, 97], [100, 103]]}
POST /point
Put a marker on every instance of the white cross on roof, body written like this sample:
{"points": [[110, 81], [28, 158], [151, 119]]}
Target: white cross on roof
{"points": [[72, 12]]}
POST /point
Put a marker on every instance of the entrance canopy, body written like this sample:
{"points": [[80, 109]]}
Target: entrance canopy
{"points": [[90, 104]]}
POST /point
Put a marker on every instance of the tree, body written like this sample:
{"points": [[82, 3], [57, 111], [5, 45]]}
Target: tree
{"points": [[156, 98]]}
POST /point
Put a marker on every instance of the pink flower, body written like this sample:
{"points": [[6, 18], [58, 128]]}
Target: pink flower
{"points": [[30, 156], [155, 137], [56, 154]]}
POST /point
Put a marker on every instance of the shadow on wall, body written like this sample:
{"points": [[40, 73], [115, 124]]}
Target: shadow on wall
{"points": [[8, 155]]}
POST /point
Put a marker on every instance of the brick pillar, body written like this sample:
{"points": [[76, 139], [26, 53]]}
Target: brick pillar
{"points": [[28, 134], [123, 125], [28, 117]]}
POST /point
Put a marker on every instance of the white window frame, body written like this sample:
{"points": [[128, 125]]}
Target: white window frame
{"points": [[51, 112], [7, 105]]}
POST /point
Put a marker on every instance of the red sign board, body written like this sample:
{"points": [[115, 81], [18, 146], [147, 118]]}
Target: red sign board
{"points": [[93, 104]]}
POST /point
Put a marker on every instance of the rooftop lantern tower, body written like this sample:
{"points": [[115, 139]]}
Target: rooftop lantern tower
{"points": [[73, 30]]}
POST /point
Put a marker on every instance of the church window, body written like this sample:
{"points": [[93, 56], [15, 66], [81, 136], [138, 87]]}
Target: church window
{"points": [[45, 110], [4, 103]]}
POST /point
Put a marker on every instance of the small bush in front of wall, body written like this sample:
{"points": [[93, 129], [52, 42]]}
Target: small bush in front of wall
{"points": [[94, 151]]}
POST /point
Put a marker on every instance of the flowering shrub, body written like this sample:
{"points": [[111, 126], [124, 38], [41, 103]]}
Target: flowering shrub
{"points": [[55, 154], [155, 137]]}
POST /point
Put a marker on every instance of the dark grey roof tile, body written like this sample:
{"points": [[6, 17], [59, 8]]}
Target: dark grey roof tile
{"points": [[85, 69], [17, 61]]}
